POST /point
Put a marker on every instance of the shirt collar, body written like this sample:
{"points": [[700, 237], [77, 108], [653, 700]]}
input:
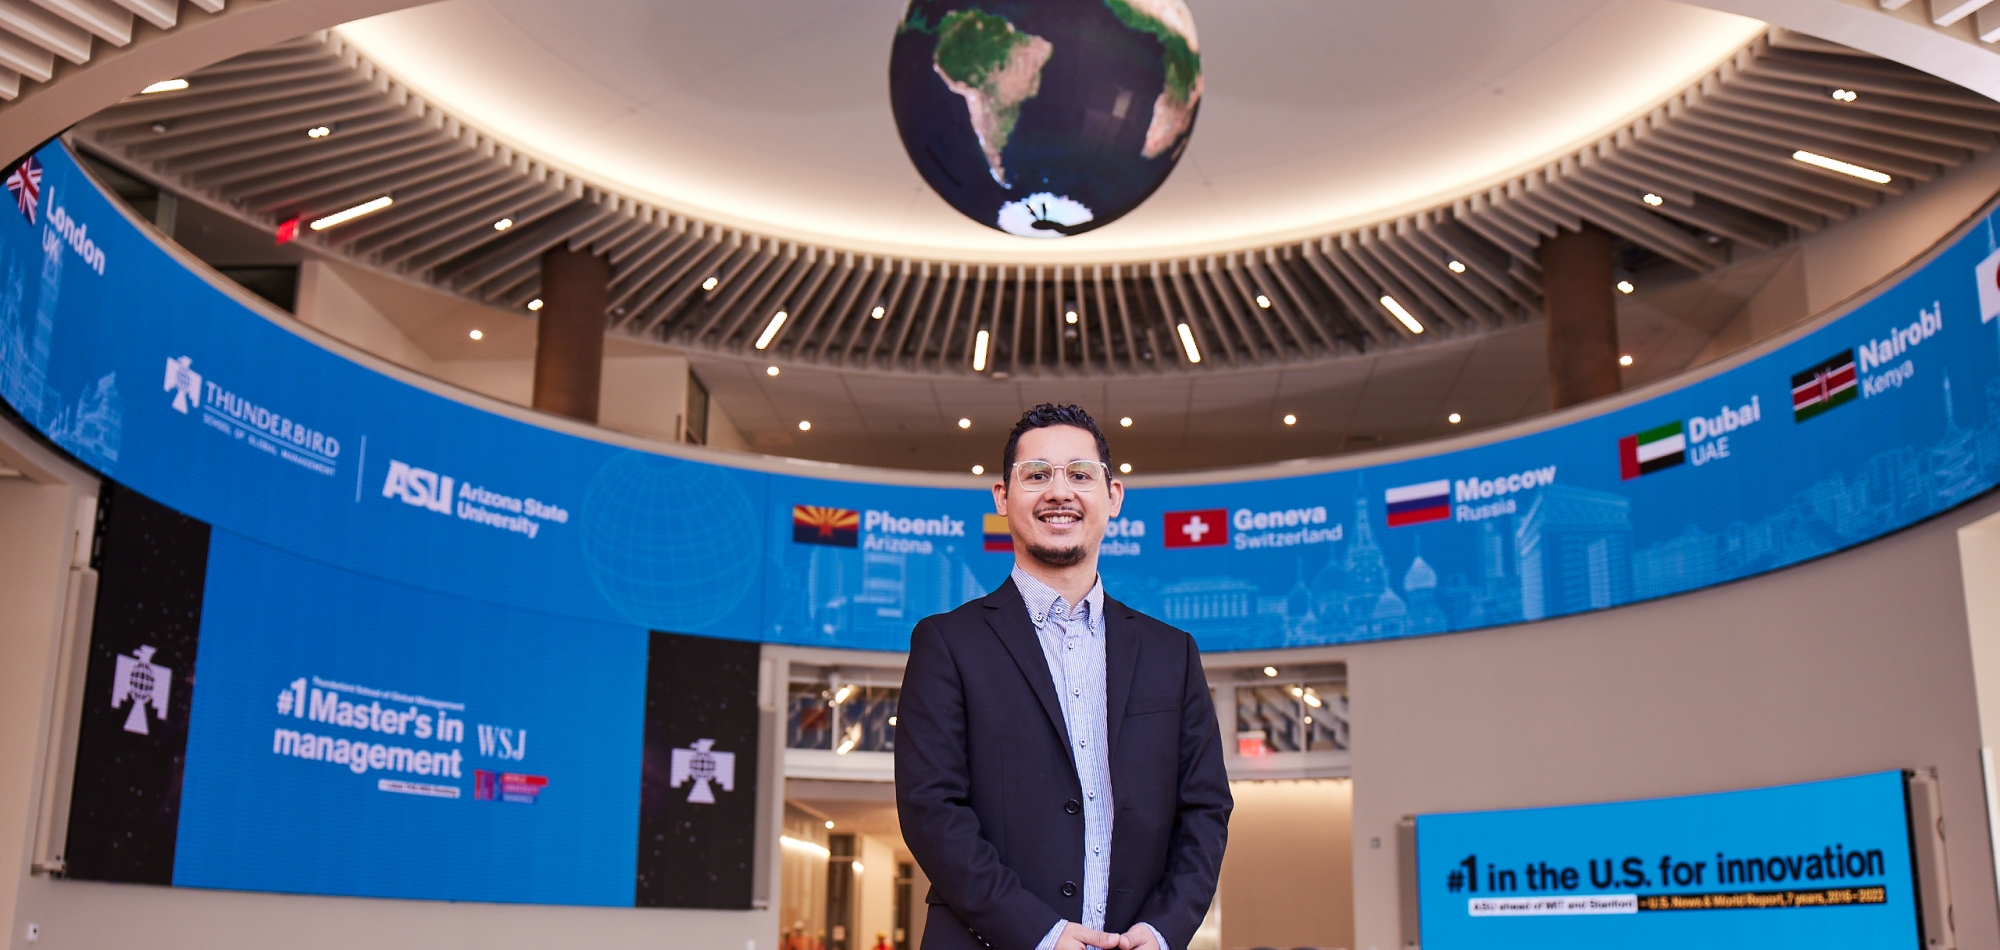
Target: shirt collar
{"points": [[1041, 598]]}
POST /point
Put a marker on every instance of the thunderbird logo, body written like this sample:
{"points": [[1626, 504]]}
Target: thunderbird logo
{"points": [[701, 765], [141, 682], [184, 383]]}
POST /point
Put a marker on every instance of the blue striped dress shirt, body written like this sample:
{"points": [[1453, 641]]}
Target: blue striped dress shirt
{"points": [[1072, 639]]}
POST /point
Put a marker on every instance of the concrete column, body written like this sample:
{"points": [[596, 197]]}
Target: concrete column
{"points": [[569, 337], [1582, 316]]}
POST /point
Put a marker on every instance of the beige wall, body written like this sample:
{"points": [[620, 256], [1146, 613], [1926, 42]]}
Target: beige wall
{"points": [[876, 911], [1852, 663], [38, 518], [1288, 876]]}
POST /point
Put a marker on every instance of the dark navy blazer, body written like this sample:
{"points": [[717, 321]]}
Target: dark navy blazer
{"points": [[988, 795]]}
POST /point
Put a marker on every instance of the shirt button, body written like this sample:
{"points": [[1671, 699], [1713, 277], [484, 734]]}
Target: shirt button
{"points": [[1097, 851], [1072, 646], [1076, 692], [1093, 796]]}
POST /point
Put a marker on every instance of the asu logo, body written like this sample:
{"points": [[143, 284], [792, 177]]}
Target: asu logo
{"points": [[137, 679], [418, 486]]}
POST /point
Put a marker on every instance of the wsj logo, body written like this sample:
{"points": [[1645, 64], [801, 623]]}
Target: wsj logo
{"points": [[496, 742], [142, 682], [184, 383], [418, 486]]}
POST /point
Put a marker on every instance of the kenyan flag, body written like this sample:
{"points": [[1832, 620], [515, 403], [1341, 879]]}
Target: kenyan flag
{"points": [[1649, 451], [1824, 386]]}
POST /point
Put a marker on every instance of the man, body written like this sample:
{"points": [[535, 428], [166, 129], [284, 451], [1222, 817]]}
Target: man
{"points": [[1058, 767]]}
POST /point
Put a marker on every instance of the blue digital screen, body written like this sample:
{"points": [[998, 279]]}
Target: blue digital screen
{"points": [[358, 737], [143, 369], [1823, 865]]}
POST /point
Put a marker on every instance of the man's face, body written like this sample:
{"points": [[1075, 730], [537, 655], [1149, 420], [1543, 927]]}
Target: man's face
{"points": [[1058, 526]]}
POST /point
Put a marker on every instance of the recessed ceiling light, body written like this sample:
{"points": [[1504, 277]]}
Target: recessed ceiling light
{"points": [[160, 128], [1625, 287], [1652, 199], [535, 304], [1124, 468], [770, 371], [1625, 360], [165, 85], [1187, 344], [979, 470], [805, 426], [1069, 316], [829, 826], [1271, 671], [1456, 267], [1836, 165], [878, 312], [503, 224], [709, 284], [477, 335], [1291, 420], [979, 344], [1454, 418], [1125, 421], [771, 329], [1846, 95], [342, 217], [1263, 301], [319, 132], [1402, 314], [965, 423]]}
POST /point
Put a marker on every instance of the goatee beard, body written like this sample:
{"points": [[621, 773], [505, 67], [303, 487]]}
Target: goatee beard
{"points": [[1057, 557]]}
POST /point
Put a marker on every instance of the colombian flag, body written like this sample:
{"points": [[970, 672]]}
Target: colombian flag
{"points": [[998, 538], [833, 527]]}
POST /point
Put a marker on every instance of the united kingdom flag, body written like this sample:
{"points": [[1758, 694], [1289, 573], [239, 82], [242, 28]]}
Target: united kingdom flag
{"points": [[26, 184]]}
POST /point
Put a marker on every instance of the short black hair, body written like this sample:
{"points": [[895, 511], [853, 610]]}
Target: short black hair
{"points": [[1044, 416]]}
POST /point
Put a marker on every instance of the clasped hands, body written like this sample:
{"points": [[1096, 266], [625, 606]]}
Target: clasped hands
{"points": [[1077, 937]]}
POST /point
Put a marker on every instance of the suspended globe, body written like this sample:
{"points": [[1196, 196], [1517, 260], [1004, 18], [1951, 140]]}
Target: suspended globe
{"points": [[1045, 118]]}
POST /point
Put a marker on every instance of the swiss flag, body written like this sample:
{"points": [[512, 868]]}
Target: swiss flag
{"points": [[1208, 528]]}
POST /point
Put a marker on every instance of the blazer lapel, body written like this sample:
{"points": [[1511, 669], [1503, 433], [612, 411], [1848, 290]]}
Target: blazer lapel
{"points": [[1121, 660], [1008, 616]]}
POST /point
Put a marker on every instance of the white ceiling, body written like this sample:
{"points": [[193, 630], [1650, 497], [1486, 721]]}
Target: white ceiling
{"points": [[774, 114]]}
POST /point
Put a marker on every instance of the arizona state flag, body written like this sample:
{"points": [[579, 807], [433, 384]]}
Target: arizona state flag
{"points": [[833, 527], [995, 534]]}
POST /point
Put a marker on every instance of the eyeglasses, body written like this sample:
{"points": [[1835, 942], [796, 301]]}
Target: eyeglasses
{"points": [[1081, 475]]}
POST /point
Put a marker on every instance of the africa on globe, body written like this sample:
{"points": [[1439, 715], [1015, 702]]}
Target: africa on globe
{"points": [[1045, 118]]}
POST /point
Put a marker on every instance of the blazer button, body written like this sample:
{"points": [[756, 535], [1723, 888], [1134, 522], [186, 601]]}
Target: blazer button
{"points": [[1069, 889], [1072, 806]]}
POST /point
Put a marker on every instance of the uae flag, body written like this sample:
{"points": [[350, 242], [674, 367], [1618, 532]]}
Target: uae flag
{"points": [[1824, 386], [1654, 449]]}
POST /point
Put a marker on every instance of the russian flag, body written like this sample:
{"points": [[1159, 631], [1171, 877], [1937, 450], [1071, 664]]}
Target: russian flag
{"points": [[1419, 504]]}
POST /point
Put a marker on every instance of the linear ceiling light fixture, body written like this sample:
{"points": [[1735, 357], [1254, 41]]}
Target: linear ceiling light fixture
{"points": [[165, 85], [979, 352], [1187, 343], [1836, 165], [339, 218], [1395, 308], [771, 329]]}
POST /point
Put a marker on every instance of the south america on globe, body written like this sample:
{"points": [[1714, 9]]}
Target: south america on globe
{"points": [[1045, 118]]}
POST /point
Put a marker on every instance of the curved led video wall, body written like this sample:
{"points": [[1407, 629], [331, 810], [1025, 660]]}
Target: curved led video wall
{"points": [[459, 629]]}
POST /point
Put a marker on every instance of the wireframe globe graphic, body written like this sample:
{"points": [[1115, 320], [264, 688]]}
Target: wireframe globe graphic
{"points": [[1045, 118], [666, 541]]}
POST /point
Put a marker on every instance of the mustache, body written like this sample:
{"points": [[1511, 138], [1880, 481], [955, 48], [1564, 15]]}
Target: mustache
{"points": [[1059, 507]]}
